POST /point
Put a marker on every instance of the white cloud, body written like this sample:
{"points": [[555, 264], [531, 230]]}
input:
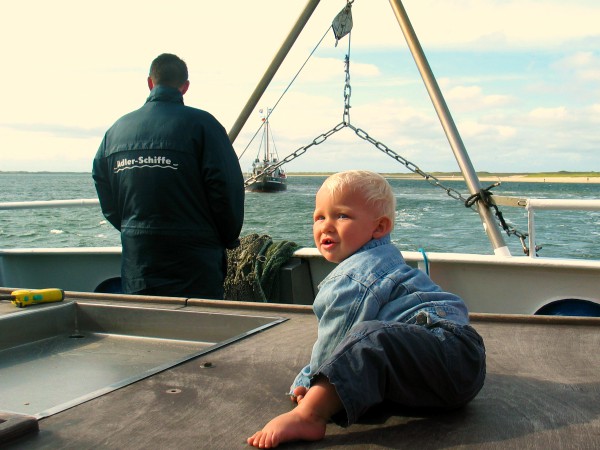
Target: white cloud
{"points": [[498, 24], [322, 69], [75, 67], [549, 114], [30, 151], [584, 64], [593, 113], [471, 129], [483, 24], [470, 98]]}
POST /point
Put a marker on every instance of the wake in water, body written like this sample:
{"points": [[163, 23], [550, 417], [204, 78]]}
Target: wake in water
{"points": [[426, 217]]}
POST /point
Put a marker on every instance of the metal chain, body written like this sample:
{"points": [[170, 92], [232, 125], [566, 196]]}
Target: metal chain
{"points": [[483, 196], [347, 91], [470, 202], [486, 197], [409, 165], [322, 137], [316, 141], [512, 231]]}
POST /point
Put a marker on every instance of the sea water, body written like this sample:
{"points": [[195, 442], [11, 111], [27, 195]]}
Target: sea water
{"points": [[426, 217]]}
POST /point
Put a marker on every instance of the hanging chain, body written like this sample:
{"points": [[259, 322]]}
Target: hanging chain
{"points": [[363, 135], [302, 150], [379, 145], [346, 14], [484, 196], [409, 165], [347, 92]]}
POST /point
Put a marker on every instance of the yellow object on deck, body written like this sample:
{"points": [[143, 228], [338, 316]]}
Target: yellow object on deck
{"points": [[26, 297]]}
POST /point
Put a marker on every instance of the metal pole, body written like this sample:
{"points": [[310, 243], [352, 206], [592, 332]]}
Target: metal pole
{"points": [[460, 153], [272, 69], [50, 204]]}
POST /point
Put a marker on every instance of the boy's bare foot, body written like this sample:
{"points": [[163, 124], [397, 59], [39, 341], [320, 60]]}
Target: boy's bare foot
{"points": [[291, 426], [307, 422]]}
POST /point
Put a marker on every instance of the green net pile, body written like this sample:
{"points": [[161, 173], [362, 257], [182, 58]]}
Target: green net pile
{"points": [[253, 268]]}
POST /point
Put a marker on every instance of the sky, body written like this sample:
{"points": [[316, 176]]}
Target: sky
{"points": [[521, 79]]}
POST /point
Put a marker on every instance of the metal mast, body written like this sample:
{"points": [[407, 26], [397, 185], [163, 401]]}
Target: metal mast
{"points": [[272, 69], [458, 148]]}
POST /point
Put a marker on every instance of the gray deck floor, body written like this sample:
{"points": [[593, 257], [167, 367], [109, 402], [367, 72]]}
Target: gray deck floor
{"points": [[542, 391]]}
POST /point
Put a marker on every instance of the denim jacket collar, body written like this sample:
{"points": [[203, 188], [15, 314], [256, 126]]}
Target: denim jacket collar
{"points": [[374, 243]]}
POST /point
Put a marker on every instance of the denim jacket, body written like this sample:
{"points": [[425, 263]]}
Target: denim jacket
{"points": [[375, 283]]}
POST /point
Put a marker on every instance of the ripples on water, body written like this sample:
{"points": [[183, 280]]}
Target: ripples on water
{"points": [[426, 216]]}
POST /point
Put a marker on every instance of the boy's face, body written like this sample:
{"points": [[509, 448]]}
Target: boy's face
{"points": [[344, 223]]}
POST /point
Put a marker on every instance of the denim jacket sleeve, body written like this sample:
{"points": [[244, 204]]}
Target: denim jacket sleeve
{"points": [[373, 284], [342, 301]]}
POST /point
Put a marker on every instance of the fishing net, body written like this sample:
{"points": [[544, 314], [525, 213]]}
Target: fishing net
{"points": [[253, 268]]}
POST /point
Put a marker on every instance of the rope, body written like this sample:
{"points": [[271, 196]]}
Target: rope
{"points": [[285, 91], [484, 195], [425, 260]]}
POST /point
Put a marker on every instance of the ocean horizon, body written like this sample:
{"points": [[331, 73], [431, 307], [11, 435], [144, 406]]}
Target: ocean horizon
{"points": [[426, 216]]}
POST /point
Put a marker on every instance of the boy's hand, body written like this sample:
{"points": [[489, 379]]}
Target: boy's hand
{"points": [[299, 393]]}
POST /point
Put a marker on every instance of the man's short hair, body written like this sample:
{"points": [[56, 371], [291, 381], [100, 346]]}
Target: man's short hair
{"points": [[168, 69]]}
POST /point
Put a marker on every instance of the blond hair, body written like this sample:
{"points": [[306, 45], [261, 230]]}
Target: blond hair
{"points": [[375, 189]]}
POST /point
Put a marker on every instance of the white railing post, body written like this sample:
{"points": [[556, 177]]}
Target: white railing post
{"points": [[550, 204], [531, 230]]}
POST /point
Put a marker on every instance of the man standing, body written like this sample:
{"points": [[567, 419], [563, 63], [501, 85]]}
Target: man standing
{"points": [[169, 180]]}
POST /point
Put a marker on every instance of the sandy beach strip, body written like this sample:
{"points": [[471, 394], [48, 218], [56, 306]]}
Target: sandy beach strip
{"points": [[533, 179], [487, 177]]}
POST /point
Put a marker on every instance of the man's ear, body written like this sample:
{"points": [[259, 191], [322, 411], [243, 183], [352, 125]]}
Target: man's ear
{"points": [[383, 226], [150, 83], [183, 89]]}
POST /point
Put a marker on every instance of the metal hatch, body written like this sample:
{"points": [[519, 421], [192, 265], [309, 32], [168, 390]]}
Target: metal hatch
{"points": [[57, 357]]}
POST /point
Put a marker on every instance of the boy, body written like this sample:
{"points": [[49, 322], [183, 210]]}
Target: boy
{"points": [[386, 331]]}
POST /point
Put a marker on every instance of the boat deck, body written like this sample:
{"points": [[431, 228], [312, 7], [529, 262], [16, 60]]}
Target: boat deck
{"points": [[542, 391]]}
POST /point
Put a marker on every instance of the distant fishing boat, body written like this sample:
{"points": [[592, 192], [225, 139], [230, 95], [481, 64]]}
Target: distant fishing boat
{"points": [[264, 177]]}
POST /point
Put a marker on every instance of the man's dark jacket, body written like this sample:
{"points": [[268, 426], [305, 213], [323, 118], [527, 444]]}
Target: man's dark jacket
{"points": [[167, 176]]}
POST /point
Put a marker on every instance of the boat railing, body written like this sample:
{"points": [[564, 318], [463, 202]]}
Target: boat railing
{"points": [[548, 204], [50, 204], [529, 204]]}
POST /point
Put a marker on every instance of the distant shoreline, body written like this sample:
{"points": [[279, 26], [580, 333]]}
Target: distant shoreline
{"points": [[545, 177], [521, 178]]}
